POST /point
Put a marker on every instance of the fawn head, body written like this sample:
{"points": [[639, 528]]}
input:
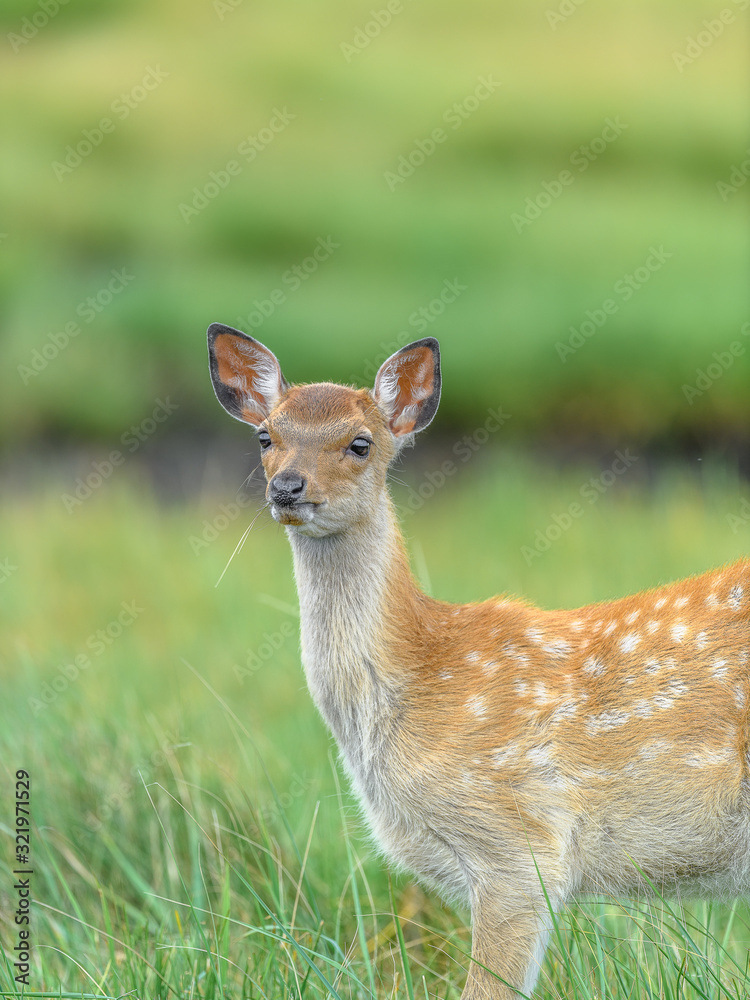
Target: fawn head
{"points": [[325, 448]]}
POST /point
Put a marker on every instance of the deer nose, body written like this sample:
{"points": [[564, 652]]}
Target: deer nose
{"points": [[286, 488]]}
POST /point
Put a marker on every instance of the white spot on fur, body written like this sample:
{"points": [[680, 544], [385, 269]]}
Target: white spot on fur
{"points": [[660, 603], [679, 631], [711, 601], [629, 642], [663, 701], [502, 755], [735, 598], [490, 668], [539, 755], [534, 634], [632, 616], [681, 602], [655, 748], [593, 667], [473, 657], [557, 648], [653, 666], [739, 695], [576, 626], [477, 705], [541, 694], [719, 669], [521, 687], [710, 758], [611, 627], [701, 640], [566, 710], [606, 721], [444, 675], [643, 709], [512, 653]]}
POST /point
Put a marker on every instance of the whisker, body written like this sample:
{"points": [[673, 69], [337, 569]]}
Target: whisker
{"points": [[247, 478], [241, 542]]}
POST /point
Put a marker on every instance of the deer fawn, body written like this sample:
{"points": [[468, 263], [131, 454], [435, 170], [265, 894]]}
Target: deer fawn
{"points": [[511, 757]]}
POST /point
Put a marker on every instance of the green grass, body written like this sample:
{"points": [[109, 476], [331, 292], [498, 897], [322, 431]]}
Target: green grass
{"points": [[193, 836]]}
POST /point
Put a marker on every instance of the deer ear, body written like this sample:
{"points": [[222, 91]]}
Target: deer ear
{"points": [[407, 387], [246, 376]]}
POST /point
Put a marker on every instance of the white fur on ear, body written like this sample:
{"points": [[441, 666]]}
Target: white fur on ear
{"points": [[407, 387], [257, 377], [246, 376]]}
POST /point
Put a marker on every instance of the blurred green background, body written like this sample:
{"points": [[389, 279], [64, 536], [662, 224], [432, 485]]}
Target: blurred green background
{"points": [[555, 190], [189, 87]]}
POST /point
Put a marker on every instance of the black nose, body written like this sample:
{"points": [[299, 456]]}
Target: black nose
{"points": [[286, 488]]}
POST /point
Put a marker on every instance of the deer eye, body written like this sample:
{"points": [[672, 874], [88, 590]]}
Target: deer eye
{"points": [[265, 439], [361, 447]]}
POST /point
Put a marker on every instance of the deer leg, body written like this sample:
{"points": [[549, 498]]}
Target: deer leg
{"points": [[509, 938]]}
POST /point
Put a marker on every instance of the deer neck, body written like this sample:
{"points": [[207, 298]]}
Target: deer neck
{"points": [[348, 584]]}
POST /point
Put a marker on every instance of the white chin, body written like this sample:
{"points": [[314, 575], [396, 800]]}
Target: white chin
{"points": [[291, 515], [300, 520]]}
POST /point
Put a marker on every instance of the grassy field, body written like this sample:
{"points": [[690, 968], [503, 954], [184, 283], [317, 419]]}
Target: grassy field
{"points": [[193, 836]]}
